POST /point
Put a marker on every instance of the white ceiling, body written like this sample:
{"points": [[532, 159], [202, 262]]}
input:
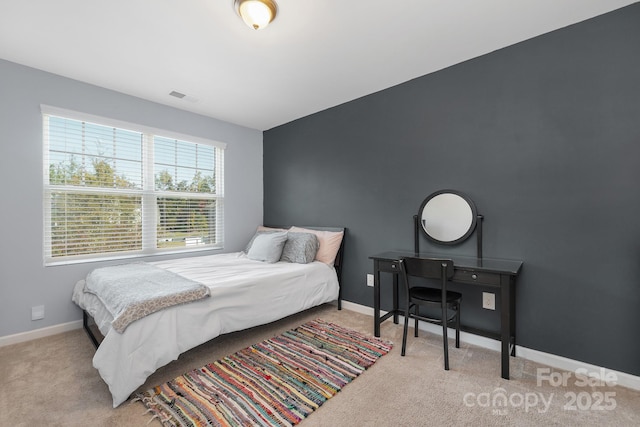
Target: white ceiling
{"points": [[316, 54]]}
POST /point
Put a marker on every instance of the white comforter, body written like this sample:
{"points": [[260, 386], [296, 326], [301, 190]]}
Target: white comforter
{"points": [[244, 293]]}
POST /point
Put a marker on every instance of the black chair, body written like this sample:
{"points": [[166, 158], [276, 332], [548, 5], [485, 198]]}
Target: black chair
{"points": [[416, 296]]}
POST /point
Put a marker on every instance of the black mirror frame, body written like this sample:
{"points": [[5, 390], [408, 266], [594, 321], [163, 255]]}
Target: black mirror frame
{"points": [[476, 223], [474, 217]]}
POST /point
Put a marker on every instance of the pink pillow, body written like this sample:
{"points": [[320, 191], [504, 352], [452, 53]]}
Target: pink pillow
{"points": [[329, 243]]}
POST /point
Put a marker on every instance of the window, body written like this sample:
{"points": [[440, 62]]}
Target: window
{"points": [[114, 189]]}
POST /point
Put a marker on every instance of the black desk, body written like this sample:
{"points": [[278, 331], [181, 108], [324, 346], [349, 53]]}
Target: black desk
{"points": [[489, 272]]}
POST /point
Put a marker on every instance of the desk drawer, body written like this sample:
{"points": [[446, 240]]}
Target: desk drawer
{"points": [[389, 266], [481, 278]]}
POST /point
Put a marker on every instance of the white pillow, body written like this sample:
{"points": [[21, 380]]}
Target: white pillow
{"points": [[268, 247]]}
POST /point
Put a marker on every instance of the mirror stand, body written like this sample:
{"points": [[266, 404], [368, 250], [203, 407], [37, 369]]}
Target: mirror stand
{"points": [[416, 236], [479, 235]]}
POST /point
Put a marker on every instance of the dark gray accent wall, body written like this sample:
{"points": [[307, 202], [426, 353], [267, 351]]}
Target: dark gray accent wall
{"points": [[544, 136]]}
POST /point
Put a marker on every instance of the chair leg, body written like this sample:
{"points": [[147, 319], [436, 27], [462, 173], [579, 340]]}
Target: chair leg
{"points": [[415, 326], [406, 328], [458, 325], [445, 338]]}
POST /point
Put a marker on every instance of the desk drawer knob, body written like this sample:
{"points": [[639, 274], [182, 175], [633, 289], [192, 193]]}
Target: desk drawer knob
{"points": [[474, 276]]}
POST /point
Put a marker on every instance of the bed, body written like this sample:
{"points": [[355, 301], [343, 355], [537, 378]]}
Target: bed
{"points": [[243, 292]]}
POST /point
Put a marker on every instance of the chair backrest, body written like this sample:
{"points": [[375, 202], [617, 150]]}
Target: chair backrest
{"points": [[429, 268]]}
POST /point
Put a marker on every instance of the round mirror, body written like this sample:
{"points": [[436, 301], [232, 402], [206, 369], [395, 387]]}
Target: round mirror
{"points": [[447, 217]]}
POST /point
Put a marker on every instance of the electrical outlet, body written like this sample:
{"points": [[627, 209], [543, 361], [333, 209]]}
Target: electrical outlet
{"points": [[489, 300], [369, 279], [37, 312]]}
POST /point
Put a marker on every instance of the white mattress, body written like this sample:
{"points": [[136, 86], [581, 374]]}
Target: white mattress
{"points": [[244, 293]]}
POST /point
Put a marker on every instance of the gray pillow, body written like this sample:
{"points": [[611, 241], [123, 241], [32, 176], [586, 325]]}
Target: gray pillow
{"points": [[246, 250], [267, 247], [300, 248]]}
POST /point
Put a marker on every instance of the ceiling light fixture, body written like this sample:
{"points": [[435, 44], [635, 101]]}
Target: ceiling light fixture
{"points": [[257, 14]]}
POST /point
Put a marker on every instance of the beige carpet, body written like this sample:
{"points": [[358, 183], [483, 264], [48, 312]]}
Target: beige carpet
{"points": [[50, 382]]}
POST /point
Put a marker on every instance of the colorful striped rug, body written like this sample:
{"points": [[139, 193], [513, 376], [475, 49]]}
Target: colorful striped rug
{"points": [[277, 382]]}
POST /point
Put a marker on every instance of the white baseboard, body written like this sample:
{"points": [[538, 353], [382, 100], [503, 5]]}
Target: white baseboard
{"points": [[40, 333], [622, 378]]}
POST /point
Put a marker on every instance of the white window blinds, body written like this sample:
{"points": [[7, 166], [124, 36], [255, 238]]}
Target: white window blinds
{"points": [[114, 189]]}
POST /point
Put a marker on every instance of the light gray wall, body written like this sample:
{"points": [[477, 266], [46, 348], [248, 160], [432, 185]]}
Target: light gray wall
{"points": [[24, 282], [544, 136]]}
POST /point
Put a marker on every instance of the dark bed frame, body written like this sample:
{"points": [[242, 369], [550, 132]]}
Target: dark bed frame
{"points": [[96, 336]]}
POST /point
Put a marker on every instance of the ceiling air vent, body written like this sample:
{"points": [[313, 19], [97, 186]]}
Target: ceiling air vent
{"points": [[177, 94]]}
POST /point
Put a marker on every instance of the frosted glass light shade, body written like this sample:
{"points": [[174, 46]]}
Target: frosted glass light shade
{"points": [[257, 14]]}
